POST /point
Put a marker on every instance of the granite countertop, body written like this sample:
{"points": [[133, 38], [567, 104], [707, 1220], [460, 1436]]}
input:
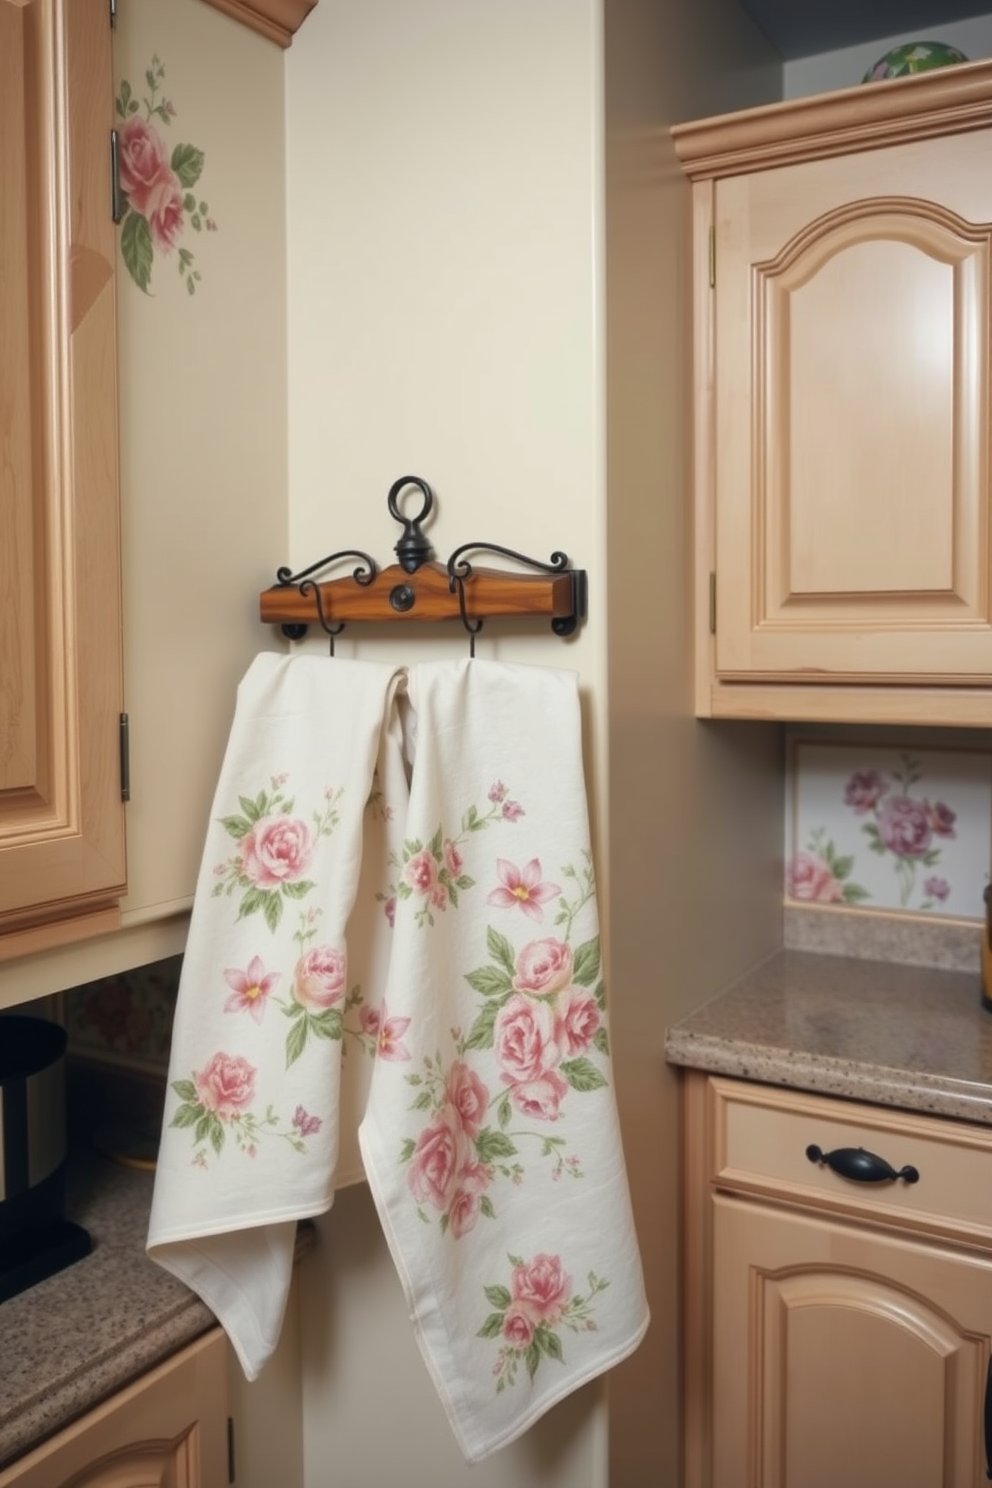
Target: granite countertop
{"points": [[912, 1036], [74, 1339]]}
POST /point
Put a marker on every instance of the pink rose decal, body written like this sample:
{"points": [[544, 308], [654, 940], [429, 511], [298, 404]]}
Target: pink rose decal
{"points": [[226, 1085], [543, 967], [319, 979], [904, 826], [144, 165], [864, 790], [156, 184], [453, 860], [811, 879], [538, 1300]]}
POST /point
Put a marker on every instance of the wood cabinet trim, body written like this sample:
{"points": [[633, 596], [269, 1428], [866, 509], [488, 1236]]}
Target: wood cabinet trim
{"points": [[277, 20], [945, 101]]}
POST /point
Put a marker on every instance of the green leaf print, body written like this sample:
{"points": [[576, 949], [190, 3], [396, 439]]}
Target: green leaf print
{"points": [[498, 1296], [187, 162], [501, 950], [482, 1032], [490, 982], [136, 249], [585, 966], [582, 1074], [491, 1145]]}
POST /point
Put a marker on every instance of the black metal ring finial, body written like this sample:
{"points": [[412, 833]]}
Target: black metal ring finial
{"points": [[413, 548]]}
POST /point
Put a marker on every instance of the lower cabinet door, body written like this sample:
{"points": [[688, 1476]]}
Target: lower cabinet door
{"points": [[844, 1357], [167, 1430]]}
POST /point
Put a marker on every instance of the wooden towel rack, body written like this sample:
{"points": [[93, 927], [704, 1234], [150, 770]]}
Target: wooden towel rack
{"points": [[418, 588]]}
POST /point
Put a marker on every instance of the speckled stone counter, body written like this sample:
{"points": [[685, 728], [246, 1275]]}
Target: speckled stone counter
{"points": [[916, 1037], [76, 1338]]}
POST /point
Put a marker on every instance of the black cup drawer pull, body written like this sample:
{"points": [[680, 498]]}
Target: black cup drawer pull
{"points": [[862, 1166]]}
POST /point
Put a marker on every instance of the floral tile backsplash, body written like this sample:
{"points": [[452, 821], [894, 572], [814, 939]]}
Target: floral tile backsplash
{"points": [[125, 1019], [884, 827]]}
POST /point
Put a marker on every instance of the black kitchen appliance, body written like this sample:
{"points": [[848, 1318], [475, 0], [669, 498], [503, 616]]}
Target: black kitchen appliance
{"points": [[36, 1239]]}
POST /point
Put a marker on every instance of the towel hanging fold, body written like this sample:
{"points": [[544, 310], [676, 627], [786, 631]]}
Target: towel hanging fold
{"points": [[434, 818]]}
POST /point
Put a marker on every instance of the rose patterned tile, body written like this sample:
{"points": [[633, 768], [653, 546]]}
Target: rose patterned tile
{"points": [[883, 827]]}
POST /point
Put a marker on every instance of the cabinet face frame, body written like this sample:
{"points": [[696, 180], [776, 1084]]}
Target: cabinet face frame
{"points": [[62, 851], [842, 124]]}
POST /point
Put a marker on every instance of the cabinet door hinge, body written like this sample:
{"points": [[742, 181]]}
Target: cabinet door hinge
{"points": [[112, 12], [712, 257], [125, 740], [230, 1449], [712, 604], [116, 194]]}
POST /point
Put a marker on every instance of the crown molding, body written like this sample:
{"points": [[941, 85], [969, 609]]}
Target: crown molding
{"points": [[947, 100], [277, 20]]}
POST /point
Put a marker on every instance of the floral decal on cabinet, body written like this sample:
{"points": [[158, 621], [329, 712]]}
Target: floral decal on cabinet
{"points": [[158, 184], [889, 828]]}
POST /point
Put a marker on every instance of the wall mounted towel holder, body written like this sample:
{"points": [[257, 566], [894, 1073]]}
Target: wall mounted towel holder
{"points": [[418, 588]]}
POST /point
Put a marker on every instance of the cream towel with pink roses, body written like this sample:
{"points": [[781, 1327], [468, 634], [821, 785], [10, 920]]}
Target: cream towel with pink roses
{"points": [[474, 1011]]}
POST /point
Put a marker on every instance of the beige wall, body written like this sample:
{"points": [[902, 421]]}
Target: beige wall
{"points": [[693, 808], [450, 253]]}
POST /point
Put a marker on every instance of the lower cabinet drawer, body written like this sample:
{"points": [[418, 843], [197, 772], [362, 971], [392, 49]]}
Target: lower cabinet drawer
{"points": [[761, 1139]]}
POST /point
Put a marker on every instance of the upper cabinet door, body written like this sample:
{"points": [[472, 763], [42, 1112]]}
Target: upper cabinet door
{"points": [[852, 363], [61, 814]]}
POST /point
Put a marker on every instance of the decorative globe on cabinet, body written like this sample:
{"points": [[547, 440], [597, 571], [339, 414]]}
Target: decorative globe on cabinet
{"points": [[914, 56]]}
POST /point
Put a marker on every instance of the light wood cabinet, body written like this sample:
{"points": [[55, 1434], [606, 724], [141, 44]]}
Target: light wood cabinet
{"points": [[836, 1330], [843, 273], [62, 854], [167, 1430]]}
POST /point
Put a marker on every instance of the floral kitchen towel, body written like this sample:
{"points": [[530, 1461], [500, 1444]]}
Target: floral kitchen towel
{"points": [[489, 1135], [491, 1145]]}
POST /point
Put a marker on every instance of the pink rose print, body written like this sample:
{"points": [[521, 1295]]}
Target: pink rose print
{"points": [[864, 790], [466, 1205], [522, 888], [518, 1325], [526, 1314], [468, 1095], [543, 967], [904, 826], [453, 860], [319, 979], [524, 1039], [277, 850], [512, 811], [542, 1285], [420, 872], [439, 1151], [497, 792], [539, 1098], [250, 988], [810, 878], [226, 1085], [936, 888], [369, 1020], [391, 1031], [389, 909], [577, 1021]]}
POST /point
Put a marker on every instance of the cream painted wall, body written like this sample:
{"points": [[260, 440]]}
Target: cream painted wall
{"points": [[202, 433], [445, 268], [693, 807], [448, 317]]}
